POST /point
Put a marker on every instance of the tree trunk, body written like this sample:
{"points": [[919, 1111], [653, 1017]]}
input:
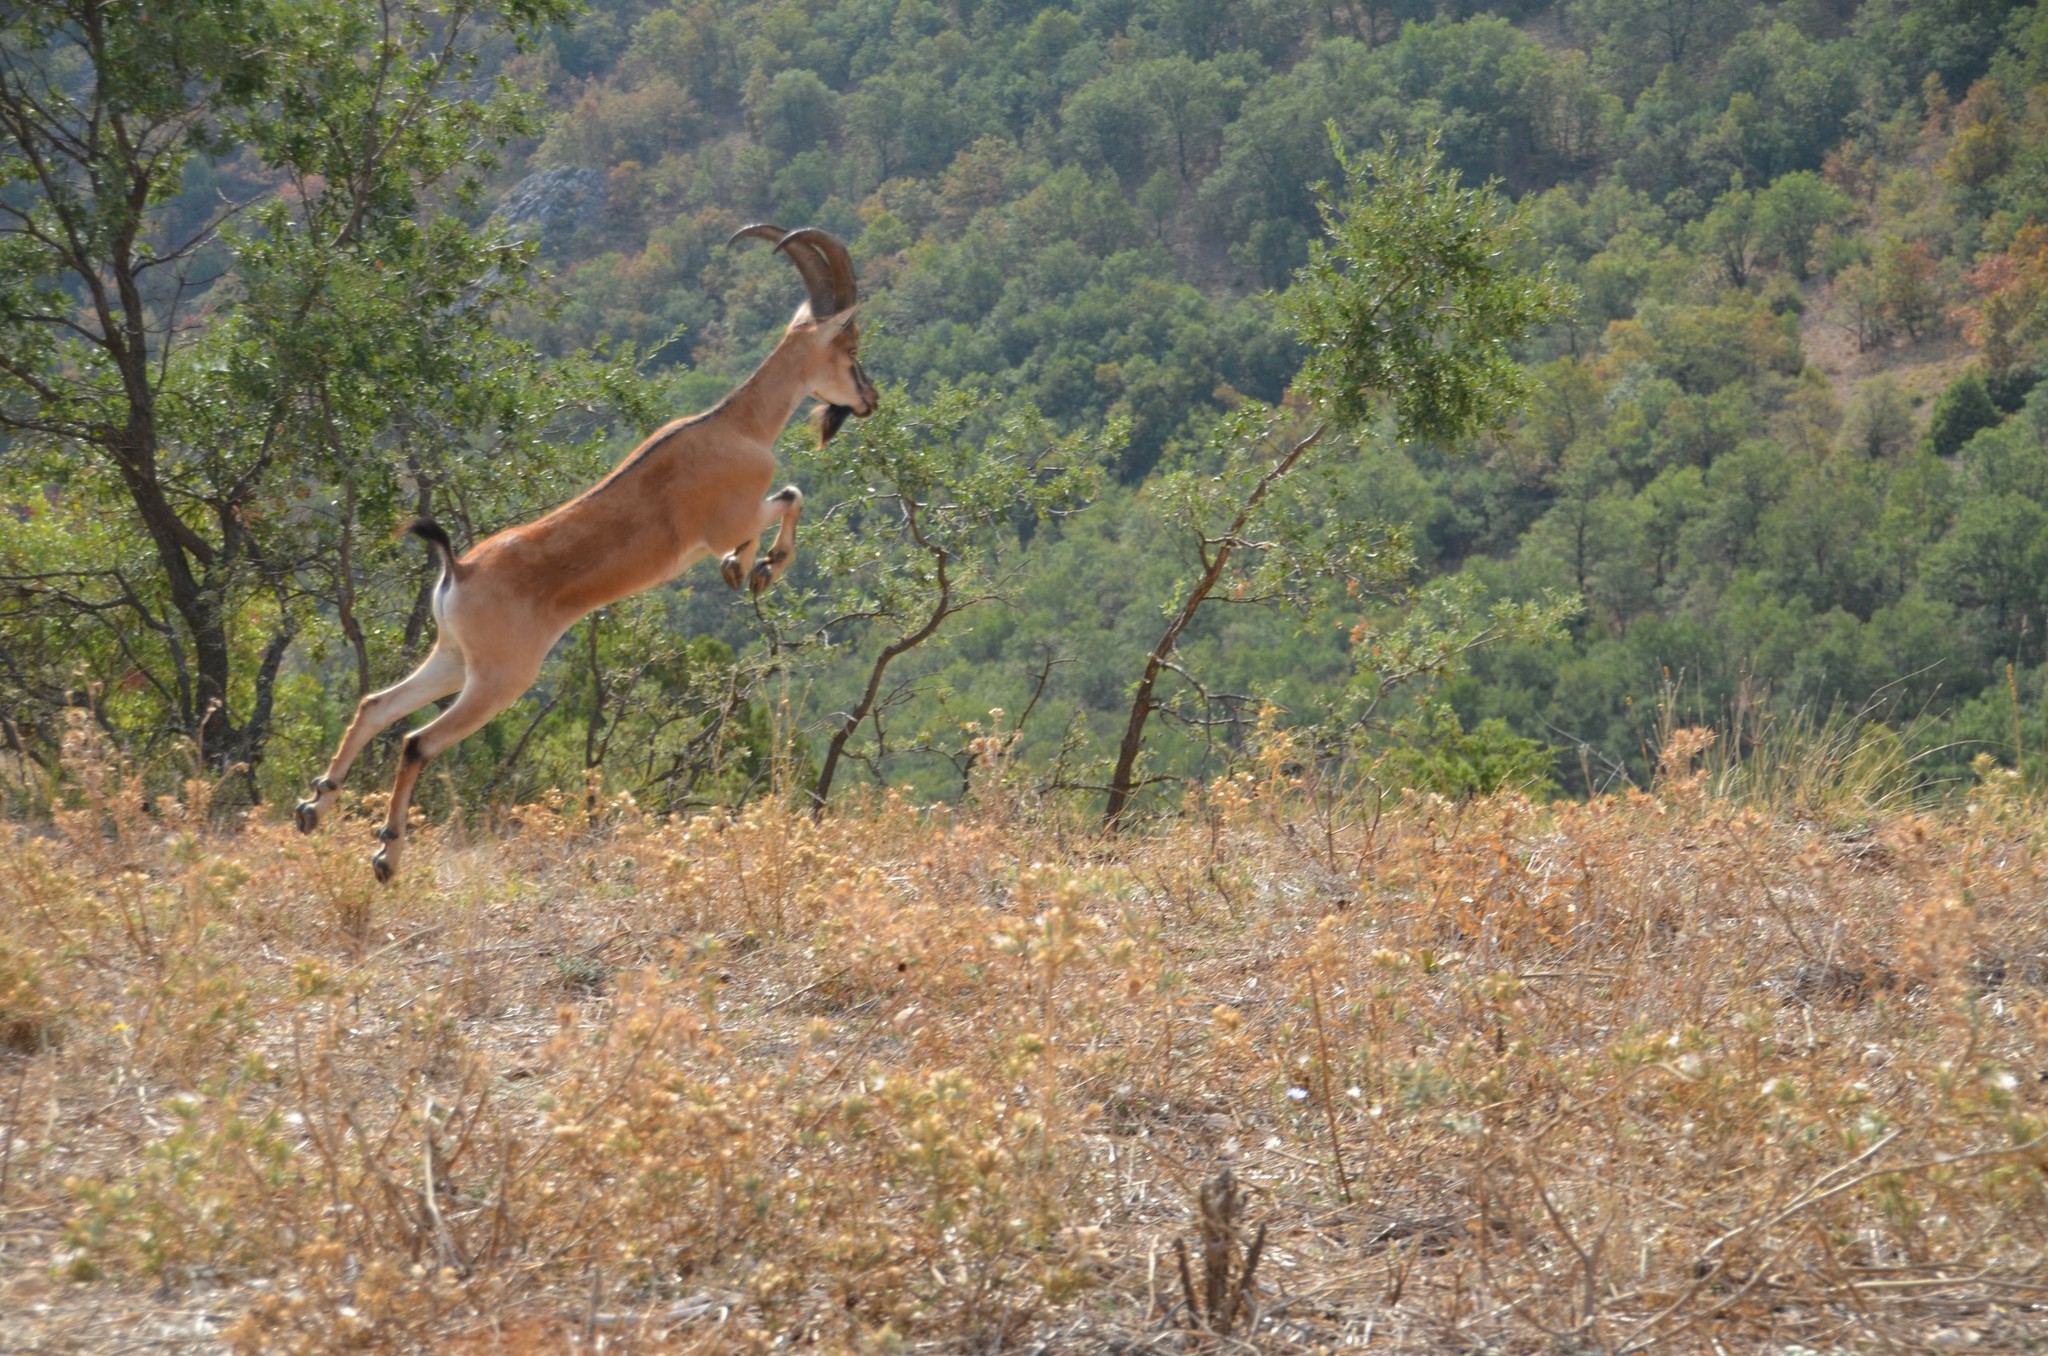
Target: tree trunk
{"points": [[837, 748], [1123, 783]]}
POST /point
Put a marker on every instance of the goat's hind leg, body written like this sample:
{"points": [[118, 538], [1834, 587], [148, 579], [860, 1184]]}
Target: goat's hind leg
{"points": [[439, 675], [485, 695]]}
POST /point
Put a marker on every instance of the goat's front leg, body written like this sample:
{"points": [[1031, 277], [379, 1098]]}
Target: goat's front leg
{"points": [[786, 503], [739, 564], [488, 691]]}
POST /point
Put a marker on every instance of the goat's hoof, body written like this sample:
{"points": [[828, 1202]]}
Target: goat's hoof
{"points": [[729, 570], [761, 576], [306, 814], [381, 864]]}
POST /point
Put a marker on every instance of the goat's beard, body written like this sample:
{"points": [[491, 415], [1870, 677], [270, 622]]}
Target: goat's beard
{"points": [[828, 419]]}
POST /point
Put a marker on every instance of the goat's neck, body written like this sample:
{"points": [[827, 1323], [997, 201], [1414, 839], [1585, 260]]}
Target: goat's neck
{"points": [[761, 406]]}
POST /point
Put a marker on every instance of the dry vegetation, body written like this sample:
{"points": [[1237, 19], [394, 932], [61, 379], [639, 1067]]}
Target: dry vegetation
{"points": [[1655, 1071]]}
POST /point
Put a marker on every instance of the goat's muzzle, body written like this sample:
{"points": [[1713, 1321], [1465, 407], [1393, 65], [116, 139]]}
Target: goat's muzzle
{"points": [[830, 417]]}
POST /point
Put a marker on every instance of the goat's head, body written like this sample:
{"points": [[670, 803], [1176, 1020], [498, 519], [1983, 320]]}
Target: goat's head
{"points": [[826, 323]]}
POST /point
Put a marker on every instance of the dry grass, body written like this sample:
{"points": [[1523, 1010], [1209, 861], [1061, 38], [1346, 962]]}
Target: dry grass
{"points": [[1657, 1071]]}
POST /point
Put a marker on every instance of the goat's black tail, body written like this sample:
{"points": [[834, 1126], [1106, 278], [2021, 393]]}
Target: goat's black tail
{"points": [[436, 538]]}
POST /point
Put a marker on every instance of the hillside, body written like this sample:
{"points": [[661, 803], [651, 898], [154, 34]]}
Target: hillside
{"points": [[1779, 236], [1785, 456]]}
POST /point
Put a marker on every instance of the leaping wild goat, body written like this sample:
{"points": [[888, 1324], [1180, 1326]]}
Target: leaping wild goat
{"points": [[695, 487]]}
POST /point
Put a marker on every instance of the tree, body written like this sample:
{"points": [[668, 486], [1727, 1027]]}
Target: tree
{"points": [[237, 431], [1443, 757], [1730, 231], [1961, 412], [929, 532], [2011, 460], [1407, 309], [1908, 287], [102, 106], [1110, 121], [1791, 211], [1273, 151], [1994, 562], [796, 111], [1159, 199], [1951, 39], [1788, 100], [1879, 422], [1195, 101], [2008, 316], [1638, 38], [905, 124]]}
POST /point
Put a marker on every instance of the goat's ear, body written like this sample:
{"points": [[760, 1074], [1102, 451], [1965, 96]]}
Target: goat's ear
{"points": [[836, 325]]}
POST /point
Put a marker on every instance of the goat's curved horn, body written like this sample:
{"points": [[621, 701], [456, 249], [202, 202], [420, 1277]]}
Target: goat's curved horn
{"points": [[843, 291], [759, 230], [816, 273]]}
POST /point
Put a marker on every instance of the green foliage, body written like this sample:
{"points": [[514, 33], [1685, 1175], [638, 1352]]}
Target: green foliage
{"points": [[1638, 38], [1437, 754], [797, 111], [1412, 306], [939, 499], [1408, 309], [1950, 40], [1993, 566], [1792, 211], [673, 720], [1417, 643], [1963, 410], [1729, 232], [1071, 211]]}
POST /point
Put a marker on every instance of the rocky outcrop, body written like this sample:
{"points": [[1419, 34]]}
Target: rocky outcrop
{"points": [[553, 206]]}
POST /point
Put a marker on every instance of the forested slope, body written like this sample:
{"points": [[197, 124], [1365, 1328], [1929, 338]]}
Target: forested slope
{"points": [[1788, 453], [1807, 238]]}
